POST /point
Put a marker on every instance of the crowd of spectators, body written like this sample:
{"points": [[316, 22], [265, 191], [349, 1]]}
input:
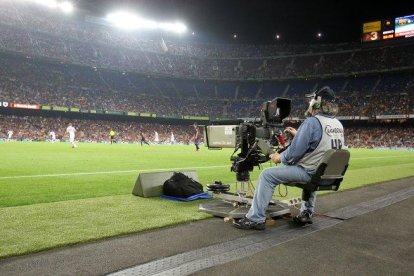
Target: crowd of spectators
{"points": [[37, 32], [78, 27], [97, 131], [30, 128], [380, 137], [31, 81], [369, 96]]}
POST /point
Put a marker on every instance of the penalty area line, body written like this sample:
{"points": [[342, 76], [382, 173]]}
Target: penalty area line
{"points": [[109, 172]]}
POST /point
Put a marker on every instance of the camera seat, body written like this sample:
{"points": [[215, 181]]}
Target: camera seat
{"points": [[329, 173]]}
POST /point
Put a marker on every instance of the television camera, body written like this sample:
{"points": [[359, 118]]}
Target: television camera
{"points": [[256, 138], [253, 140]]}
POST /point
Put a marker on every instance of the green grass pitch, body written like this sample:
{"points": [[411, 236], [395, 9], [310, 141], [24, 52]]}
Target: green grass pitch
{"points": [[52, 195]]}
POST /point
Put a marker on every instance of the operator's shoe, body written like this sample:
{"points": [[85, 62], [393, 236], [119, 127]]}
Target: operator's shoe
{"points": [[303, 218], [247, 224]]}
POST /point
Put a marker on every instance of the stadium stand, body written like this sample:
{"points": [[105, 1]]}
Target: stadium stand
{"points": [[70, 63]]}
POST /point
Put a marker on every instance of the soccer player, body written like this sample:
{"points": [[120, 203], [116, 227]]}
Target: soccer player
{"points": [[157, 138], [172, 139], [52, 135], [71, 130], [112, 136], [143, 139], [9, 135], [196, 137]]}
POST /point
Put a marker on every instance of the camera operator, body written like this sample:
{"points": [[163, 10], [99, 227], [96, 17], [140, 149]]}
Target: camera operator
{"points": [[320, 132]]}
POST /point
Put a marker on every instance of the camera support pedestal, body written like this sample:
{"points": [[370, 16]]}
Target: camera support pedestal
{"points": [[236, 205]]}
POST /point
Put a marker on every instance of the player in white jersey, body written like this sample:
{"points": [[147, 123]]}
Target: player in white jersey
{"points": [[52, 135], [9, 135], [157, 138], [71, 130], [172, 139]]}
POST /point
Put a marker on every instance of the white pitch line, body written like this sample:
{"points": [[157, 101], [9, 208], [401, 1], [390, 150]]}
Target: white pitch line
{"points": [[110, 172], [380, 157], [155, 170]]}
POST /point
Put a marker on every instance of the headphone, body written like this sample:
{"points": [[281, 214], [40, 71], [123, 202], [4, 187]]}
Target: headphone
{"points": [[316, 99]]}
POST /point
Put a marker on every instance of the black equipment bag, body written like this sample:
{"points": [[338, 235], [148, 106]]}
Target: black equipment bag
{"points": [[180, 185]]}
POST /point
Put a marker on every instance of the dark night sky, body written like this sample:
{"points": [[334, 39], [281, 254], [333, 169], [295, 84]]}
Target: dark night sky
{"points": [[257, 21]]}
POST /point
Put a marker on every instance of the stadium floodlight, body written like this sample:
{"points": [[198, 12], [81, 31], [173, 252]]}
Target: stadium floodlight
{"points": [[176, 27], [48, 3], [129, 21], [66, 7]]}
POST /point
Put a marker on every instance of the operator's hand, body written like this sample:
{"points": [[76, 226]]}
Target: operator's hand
{"points": [[292, 131], [276, 157]]}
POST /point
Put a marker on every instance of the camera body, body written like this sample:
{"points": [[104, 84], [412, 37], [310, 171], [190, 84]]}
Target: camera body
{"points": [[256, 138]]}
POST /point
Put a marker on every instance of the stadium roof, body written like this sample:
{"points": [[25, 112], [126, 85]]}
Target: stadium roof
{"points": [[259, 21]]}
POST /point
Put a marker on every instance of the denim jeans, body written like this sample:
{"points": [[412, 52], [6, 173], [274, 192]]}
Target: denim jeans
{"points": [[268, 180]]}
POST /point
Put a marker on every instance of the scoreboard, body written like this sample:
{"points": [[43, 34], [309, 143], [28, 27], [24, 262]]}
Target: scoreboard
{"points": [[404, 26], [388, 29]]}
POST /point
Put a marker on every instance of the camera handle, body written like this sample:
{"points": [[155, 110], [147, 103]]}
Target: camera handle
{"points": [[283, 149]]}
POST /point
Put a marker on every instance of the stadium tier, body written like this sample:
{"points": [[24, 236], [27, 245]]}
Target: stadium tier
{"points": [[33, 43], [45, 83], [38, 32]]}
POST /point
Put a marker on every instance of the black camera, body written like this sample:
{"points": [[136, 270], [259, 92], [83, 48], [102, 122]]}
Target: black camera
{"points": [[256, 138]]}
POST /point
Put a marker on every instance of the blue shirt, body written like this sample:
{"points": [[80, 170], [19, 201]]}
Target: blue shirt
{"points": [[306, 140]]}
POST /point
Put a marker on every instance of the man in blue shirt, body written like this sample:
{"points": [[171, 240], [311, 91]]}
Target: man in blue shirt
{"points": [[317, 134]]}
